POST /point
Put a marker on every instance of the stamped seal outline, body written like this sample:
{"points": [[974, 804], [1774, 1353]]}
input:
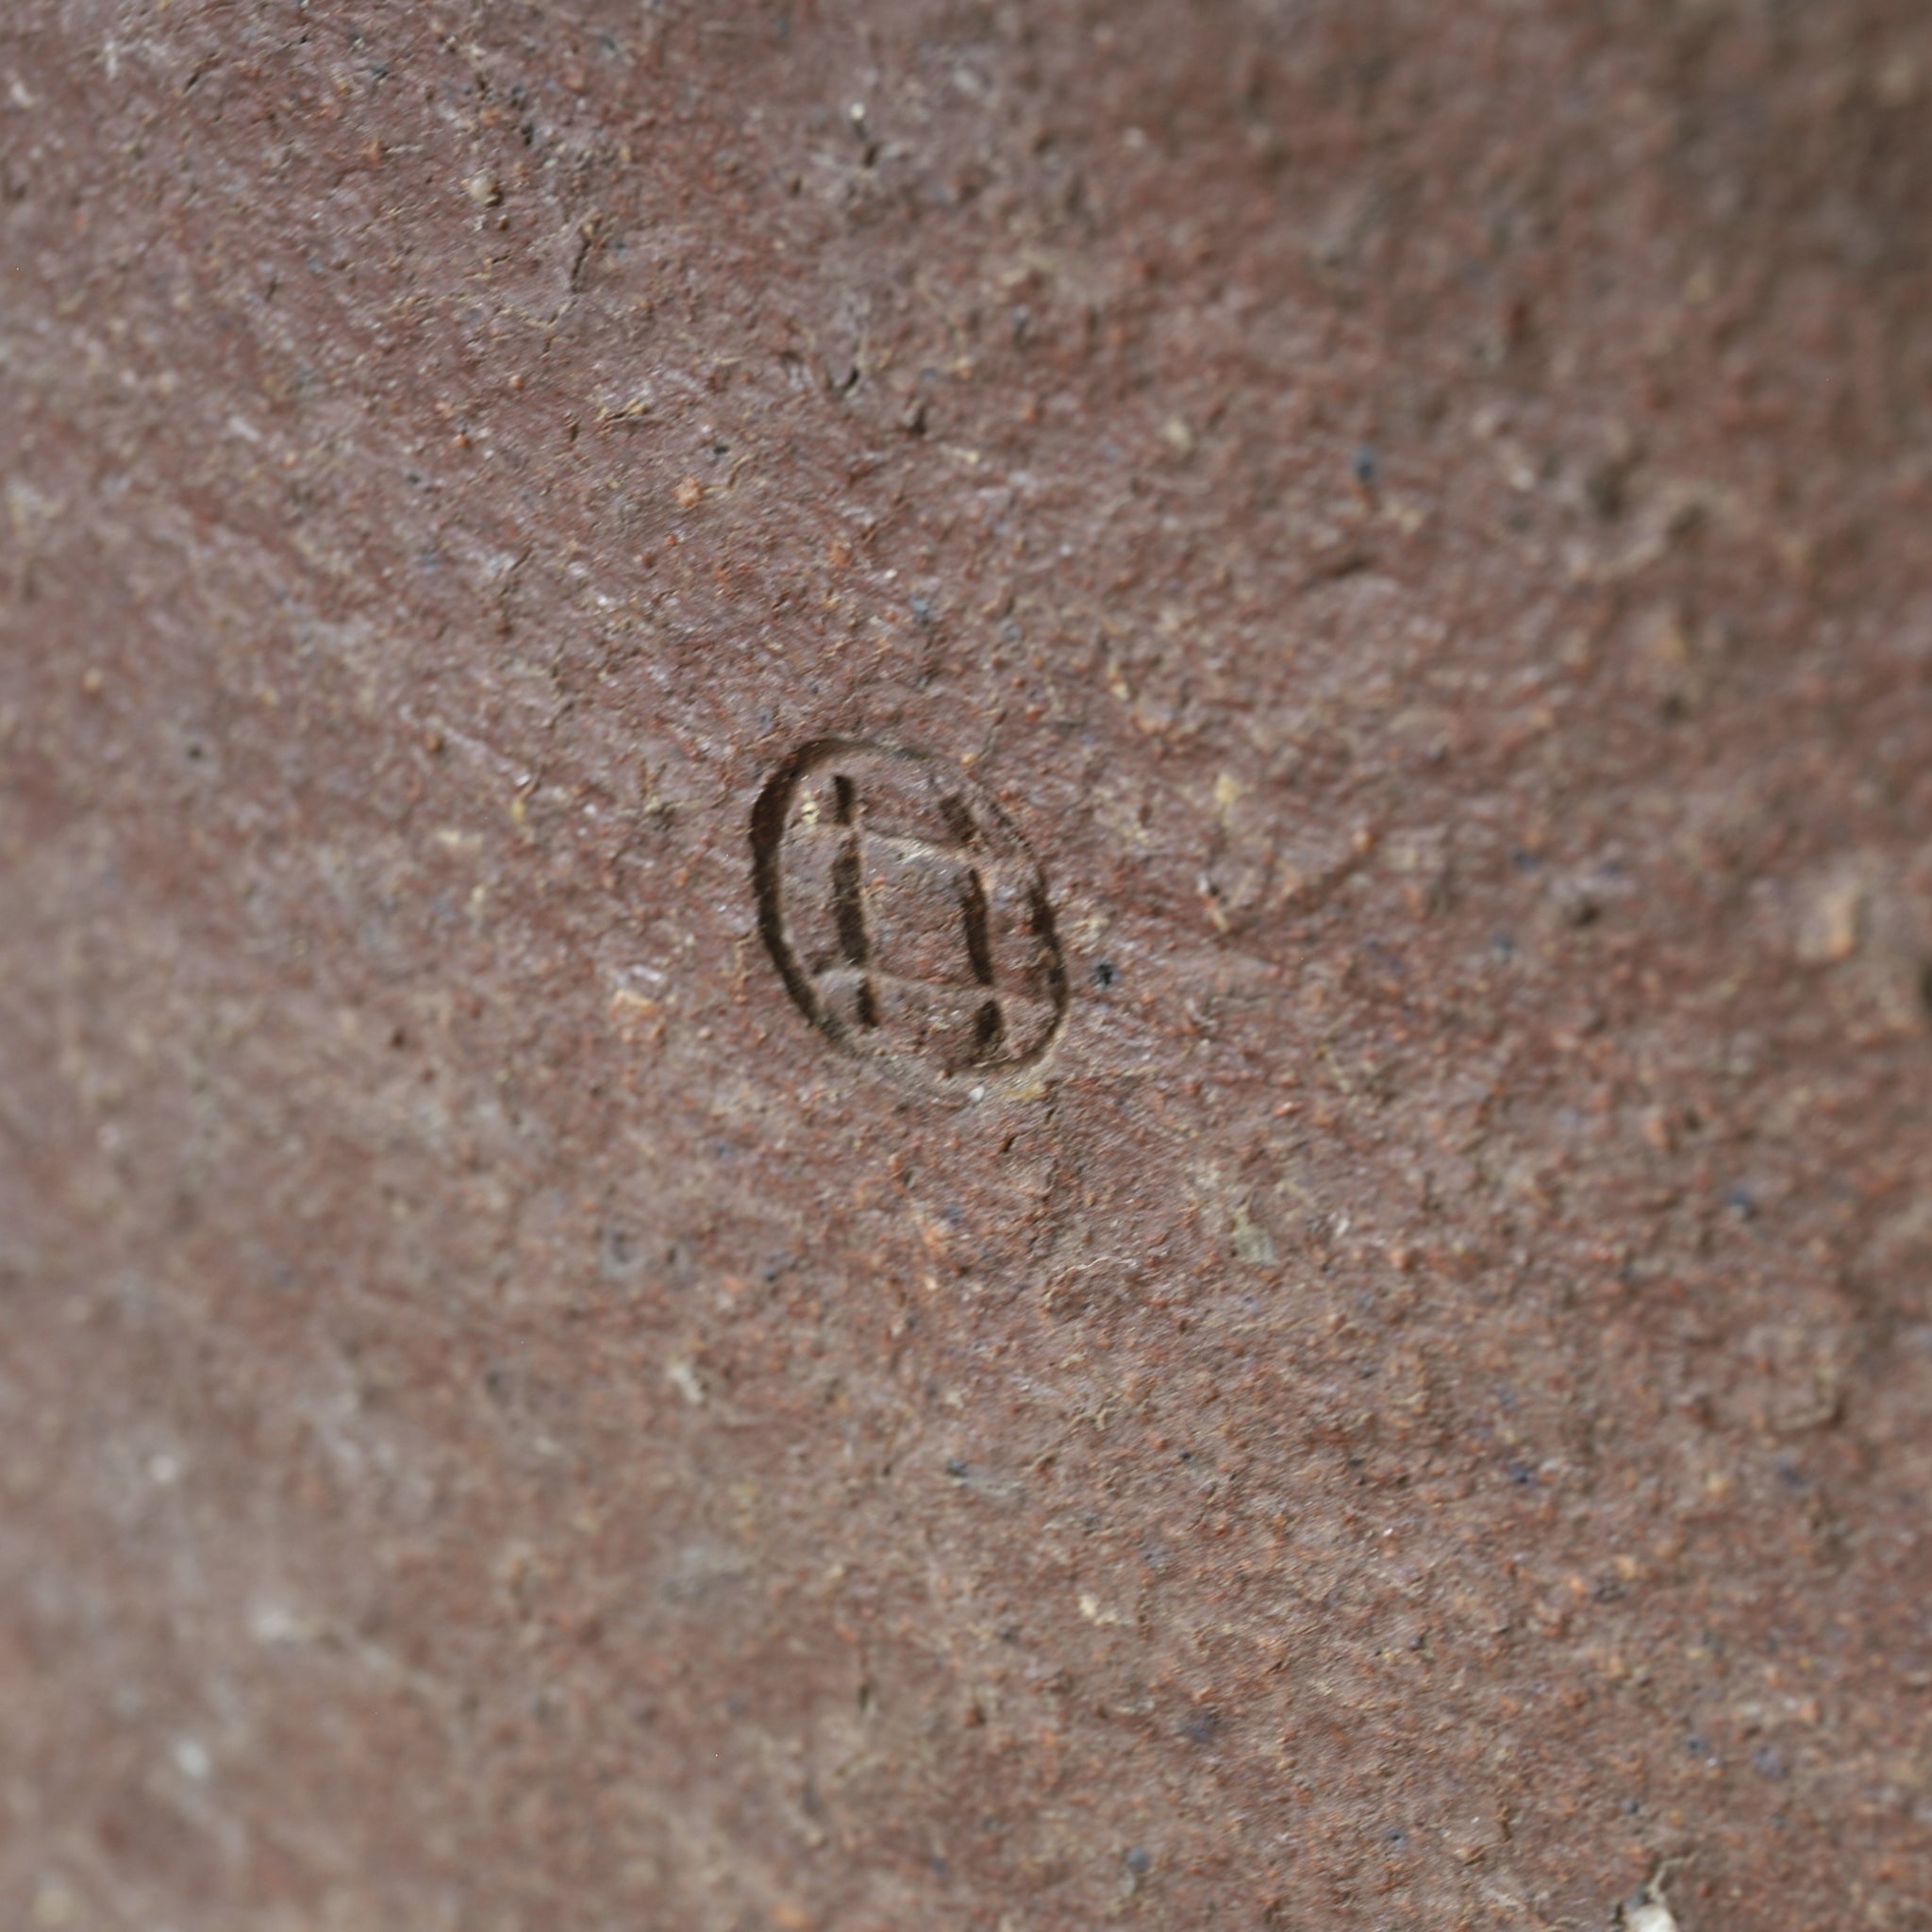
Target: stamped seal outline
{"points": [[1000, 900]]}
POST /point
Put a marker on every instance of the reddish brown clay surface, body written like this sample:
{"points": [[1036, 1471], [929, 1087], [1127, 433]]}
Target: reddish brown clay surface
{"points": [[1415, 1415]]}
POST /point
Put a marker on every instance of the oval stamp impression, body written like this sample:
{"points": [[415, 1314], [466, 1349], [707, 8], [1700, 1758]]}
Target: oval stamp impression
{"points": [[907, 916]]}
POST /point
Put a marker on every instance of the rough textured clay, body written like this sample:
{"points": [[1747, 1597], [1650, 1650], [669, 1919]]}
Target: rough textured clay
{"points": [[1411, 1412]]}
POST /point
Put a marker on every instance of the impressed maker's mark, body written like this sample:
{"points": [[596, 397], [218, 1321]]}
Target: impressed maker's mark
{"points": [[907, 916]]}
